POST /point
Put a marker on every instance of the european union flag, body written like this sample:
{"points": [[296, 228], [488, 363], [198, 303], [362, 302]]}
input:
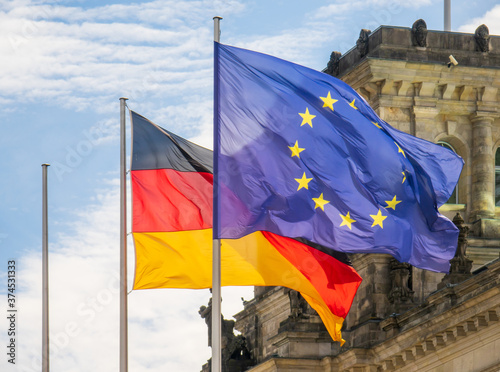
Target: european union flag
{"points": [[300, 154]]}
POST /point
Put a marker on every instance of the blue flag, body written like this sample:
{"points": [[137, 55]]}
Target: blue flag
{"points": [[300, 154]]}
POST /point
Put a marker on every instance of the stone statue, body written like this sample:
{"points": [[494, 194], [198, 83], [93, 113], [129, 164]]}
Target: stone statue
{"points": [[235, 355], [206, 313], [419, 33], [460, 263], [482, 38], [362, 42], [462, 236], [400, 275], [299, 308], [332, 68], [227, 326]]}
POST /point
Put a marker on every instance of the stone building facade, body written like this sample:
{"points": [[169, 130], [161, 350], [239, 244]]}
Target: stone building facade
{"points": [[404, 318]]}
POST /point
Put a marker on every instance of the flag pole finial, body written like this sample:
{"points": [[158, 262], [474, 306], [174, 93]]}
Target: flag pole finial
{"points": [[217, 28]]}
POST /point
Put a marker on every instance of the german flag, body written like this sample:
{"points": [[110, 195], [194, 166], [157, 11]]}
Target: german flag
{"points": [[172, 192]]}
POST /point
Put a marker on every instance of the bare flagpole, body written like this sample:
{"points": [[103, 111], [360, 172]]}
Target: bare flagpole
{"points": [[45, 273], [123, 242], [216, 274], [447, 15]]}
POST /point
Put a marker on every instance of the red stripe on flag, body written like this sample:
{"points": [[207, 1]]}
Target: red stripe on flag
{"points": [[335, 281], [169, 200]]}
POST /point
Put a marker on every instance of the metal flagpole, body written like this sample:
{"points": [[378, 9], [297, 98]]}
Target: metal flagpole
{"points": [[45, 273], [447, 15], [123, 243], [216, 274]]}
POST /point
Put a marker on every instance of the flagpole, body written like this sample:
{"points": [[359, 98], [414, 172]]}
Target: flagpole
{"points": [[123, 243], [447, 15], [216, 272], [45, 273]]}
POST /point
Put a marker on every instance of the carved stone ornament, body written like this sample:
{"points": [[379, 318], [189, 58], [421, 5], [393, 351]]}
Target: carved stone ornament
{"points": [[206, 313], [332, 68], [462, 236], [461, 264], [482, 38], [299, 308], [419, 33], [362, 43], [400, 275], [235, 356]]}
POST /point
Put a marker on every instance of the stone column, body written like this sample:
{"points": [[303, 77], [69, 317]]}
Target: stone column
{"points": [[483, 168]]}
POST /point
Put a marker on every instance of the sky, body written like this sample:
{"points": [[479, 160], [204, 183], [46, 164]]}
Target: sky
{"points": [[64, 65]]}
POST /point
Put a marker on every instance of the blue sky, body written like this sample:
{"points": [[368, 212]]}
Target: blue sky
{"points": [[64, 66]]}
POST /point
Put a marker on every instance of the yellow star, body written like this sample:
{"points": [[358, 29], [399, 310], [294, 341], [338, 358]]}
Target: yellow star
{"points": [[296, 150], [328, 101], [320, 202], [376, 124], [400, 150], [303, 182], [378, 219], [392, 203], [352, 104], [347, 220], [404, 177], [307, 117]]}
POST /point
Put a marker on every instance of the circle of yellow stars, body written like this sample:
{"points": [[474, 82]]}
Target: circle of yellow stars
{"points": [[320, 201]]}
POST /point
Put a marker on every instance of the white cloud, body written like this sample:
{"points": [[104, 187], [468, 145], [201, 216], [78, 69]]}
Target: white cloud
{"points": [[377, 7], [167, 13], [491, 19], [292, 45], [81, 58], [189, 118]]}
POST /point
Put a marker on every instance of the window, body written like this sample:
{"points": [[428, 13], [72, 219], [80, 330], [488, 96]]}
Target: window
{"points": [[454, 196]]}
